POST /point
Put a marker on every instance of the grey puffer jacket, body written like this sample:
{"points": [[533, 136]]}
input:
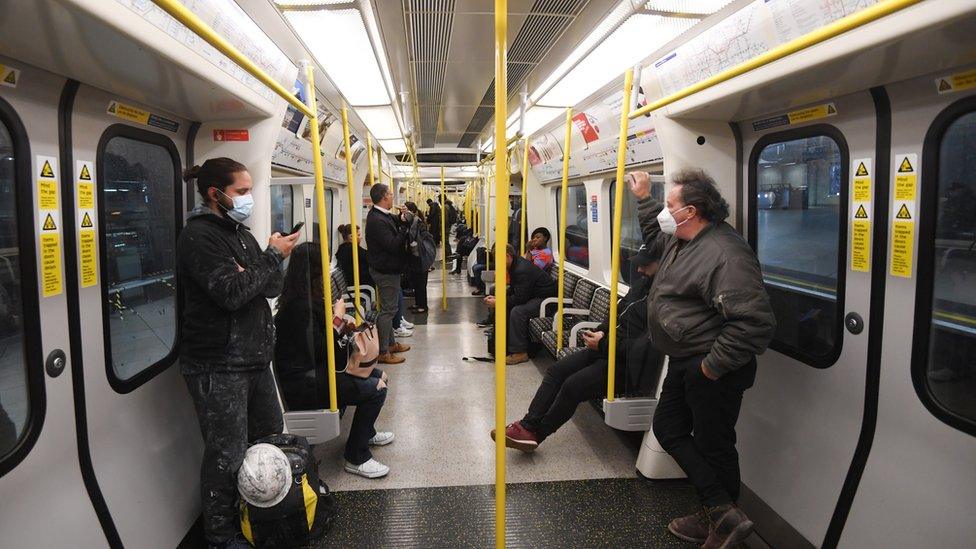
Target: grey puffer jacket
{"points": [[708, 296]]}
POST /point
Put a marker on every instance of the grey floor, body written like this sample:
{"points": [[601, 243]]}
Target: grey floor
{"points": [[442, 408]]}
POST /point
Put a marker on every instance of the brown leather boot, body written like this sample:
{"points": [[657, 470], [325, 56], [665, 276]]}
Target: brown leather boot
{"points": [[730, 526], [399, 348], [389, 358], [692, 528], [516, 358]]}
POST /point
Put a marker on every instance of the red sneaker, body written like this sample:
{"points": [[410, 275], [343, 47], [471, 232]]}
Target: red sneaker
{"points": [[519, 437]]}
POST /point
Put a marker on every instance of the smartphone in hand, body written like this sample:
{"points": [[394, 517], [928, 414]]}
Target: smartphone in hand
{"points": [[298, 226]]}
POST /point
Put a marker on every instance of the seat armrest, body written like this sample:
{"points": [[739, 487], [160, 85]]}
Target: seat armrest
{"points": [[575, 311], [574, 331], [551, 301]]}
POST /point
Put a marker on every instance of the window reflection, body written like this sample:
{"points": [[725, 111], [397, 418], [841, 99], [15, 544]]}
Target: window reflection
{"points": [[137, 191], [630, 232], [798, 196], [577, 238], [952, 342], [282, 208]]}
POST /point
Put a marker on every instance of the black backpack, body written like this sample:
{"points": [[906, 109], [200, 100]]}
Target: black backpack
{"points": [[306, 513], [425, 249]]}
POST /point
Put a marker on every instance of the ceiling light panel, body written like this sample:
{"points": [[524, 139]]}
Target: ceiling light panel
{"points": [[687, 6], [609, 22], [287, 3], [536, 118], [340, 43], [393, 146], [381, 121], [632, 42]]}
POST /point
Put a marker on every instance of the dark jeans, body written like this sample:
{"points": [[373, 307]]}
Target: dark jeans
{"points": [[518, 324], [476, 271], [233, 408], [368, 400], [568, 382], [695, 423], [419, 282]]}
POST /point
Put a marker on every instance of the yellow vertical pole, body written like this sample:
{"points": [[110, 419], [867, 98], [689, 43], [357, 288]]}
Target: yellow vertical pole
{"points": [[379, 164], [618, 208], [444, 248], [501, 230], [525, 179], [323, 237], [350, 184], [369, 157], [563, 201]]}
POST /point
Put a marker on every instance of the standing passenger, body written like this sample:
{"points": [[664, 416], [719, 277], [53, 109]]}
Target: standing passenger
{"points": [[709, 312], [386, 242], [227, 336]]}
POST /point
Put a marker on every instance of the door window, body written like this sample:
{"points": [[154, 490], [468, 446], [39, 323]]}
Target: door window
{"points": [[630, 231], [948, 368], [282, 208], [798, 201], [15, 401], [138, 185]]}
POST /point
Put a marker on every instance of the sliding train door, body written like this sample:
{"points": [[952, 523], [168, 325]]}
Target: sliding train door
{"points": [[808, 181], [128, 207], [44, 471], [919, 482]]}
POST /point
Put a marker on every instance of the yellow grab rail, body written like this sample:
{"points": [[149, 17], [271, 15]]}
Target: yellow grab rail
{"points": [[444, 238], [563, 201], [185, 16], [501, 233], [618, 208], [525, 179], [369, 157], [323, 238], [351, 193], [822, 34]]}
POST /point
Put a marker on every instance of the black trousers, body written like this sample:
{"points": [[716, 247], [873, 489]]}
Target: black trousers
{"points": [[568, 382], [233, 408], [419, 282], [695, 423], [368, 400]]}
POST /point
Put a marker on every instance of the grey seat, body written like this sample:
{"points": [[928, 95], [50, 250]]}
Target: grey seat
{"points": [[543, 323], [579, 310]]}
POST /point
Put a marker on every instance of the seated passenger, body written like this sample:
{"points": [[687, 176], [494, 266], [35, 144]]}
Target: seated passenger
{"points": [[581, 376], [343, 255], [528, 285], [301, 362], [539, 251]]}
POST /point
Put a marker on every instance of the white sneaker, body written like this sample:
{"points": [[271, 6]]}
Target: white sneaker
{"points": [[369, 469], [382, 438], [402, 332], [404, 323]]}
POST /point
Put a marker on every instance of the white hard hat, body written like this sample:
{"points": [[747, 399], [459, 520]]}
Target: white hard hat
{"points": [[265, 475]]}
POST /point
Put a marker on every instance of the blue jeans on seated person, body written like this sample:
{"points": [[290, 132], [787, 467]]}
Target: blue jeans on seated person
{"points": [[476, 271]]}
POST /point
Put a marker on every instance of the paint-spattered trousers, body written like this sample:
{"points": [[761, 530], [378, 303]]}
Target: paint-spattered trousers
{"points": [[233, 408]]}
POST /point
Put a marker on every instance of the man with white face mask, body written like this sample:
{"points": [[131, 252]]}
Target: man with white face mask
{"points": [[227, 334], [709, 312]]}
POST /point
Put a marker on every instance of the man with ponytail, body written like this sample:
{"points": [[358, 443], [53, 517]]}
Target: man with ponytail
{"points": [[227, 337]]}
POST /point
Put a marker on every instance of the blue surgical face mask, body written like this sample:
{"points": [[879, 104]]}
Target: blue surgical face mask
{"points": [[242, 207]]}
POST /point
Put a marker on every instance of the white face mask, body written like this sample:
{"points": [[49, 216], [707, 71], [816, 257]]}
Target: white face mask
{"points": [[666, 220], [242, 207]]}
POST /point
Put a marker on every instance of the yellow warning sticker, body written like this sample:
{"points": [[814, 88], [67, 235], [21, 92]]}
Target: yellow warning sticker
{"points": [[956, 82], [128, 112], [86, 195], [88, 258], [862, 180], [9, 76], [812, 113], [861, 213], [49, 225], [86, 222], [861, 245], [50, 264], [906, 177], [903, 214], [861, 170], [85, 174]]}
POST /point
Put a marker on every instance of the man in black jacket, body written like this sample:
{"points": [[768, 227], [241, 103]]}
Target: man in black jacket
{"points": [[386, 247], [582, 375], [528, 286], [227, 335], [709, 312], [434, 219]]}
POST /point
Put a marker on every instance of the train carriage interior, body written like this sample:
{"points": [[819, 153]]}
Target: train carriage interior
{"points": [[841, 135]]}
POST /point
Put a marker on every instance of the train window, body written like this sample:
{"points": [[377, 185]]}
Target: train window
{"points": [[138, 184], [631, 237], [798, 199], [14, 394], [577, 238], [282, 207], [329, 200], [944, 364]]}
